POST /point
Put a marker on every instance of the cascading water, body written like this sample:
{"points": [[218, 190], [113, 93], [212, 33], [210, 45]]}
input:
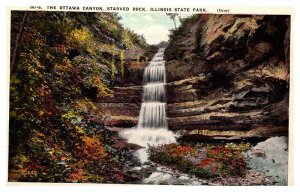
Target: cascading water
{"points": [[152, 128]]}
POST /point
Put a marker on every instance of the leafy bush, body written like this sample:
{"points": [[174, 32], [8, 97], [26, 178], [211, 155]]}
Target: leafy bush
{"points": [[219, 160], [223, 160], [62, 61]]}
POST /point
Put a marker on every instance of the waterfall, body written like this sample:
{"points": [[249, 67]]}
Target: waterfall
{"points": [[153, 110], [152, 128]]}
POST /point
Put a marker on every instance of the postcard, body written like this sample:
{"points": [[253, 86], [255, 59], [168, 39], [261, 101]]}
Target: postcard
{"points": [[150, 95]]}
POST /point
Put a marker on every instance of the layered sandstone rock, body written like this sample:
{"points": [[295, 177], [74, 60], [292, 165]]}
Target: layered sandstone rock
{"points": [[233, 79]]}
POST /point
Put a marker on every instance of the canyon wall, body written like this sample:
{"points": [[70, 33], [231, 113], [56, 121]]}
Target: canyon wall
{"points": [[228, 78]]}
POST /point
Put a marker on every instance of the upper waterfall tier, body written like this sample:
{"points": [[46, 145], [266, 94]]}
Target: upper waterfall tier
{"points": [[155, 73], [157, 58]]}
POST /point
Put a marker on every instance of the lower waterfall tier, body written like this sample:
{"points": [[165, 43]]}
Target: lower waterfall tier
{"points": [[153, 115]]}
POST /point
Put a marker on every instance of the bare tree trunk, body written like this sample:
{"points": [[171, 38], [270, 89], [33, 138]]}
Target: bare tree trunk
{"points": [[173, 17], [174, 23], [18, 41]]}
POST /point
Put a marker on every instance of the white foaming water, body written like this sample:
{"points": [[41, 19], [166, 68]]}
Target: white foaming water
{"points": [[152, 128], [148, 136], [154, 92], [153, 116]]}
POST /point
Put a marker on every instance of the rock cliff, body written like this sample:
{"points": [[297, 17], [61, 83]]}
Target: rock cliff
{"points": [[228, 76]]}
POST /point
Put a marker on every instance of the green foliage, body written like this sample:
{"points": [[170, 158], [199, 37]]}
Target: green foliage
{"points": [[176, 49], [226, 159], [113, 68], [217, 161], [122, 62], [103, 90], [83, 39], [110, 22], [127, 40], [61, 66], [169, 154]]}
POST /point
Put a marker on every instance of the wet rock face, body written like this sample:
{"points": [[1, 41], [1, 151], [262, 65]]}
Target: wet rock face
{"points": [[233, 80]]}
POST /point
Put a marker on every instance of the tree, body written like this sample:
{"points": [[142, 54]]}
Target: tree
{"points": [[122, 62], [126, 39], [173, 17], [113, 62], [18, 40]]}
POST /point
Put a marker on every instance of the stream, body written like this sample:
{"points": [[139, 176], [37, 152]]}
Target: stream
{"points": [[263, 160]]}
